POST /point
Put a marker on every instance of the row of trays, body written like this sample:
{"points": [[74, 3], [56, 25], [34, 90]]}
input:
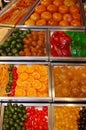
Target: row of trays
{"points": [[42, 116], [40, 44], [25, 17], [42, 82]]}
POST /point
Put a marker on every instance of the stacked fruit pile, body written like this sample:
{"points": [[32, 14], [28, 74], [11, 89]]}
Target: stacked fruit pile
{"points": [[24, 43], [68, 43], [56, 13], [16, 12], [70, 81], [28, 80], [20, 117]]}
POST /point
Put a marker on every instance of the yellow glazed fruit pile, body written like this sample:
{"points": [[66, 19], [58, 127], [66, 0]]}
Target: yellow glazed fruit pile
{"points": [[66, 118], [70, 81]]}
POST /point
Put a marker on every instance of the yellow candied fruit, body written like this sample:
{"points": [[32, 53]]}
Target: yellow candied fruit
{"points": [[66, 117]]}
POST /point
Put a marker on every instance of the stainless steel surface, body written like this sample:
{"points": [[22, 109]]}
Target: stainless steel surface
{"points": [[65, 99]]}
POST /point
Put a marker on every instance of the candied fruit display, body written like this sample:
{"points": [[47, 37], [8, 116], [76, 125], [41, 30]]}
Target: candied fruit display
{"points": [[70, 81], [82, 119], [65, 118], [37, 118], [16, 12], [24, 43], [24, 80], [21, 117], [55, 13], [68, 44]]}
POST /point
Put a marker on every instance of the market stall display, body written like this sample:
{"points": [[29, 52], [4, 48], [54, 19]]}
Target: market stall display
{"points": [[25, 116], [31, 80], [68, 80], [56, 13], [21, 42], [43, 65], [16, 12], [68, 43], [74, 116]]}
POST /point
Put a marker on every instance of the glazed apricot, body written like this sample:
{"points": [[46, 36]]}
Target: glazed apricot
{"points": [[40, 9], [41, 22], [35, 16], [63, 9], [52, 8], [57, 2], [45, 2], [57, 16], [63, 23], [75, 22], [46, 15], [52, 22], [74, 9], [67, 17]]}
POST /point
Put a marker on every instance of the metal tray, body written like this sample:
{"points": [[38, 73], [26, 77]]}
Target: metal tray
{"points": [[29, 58], [81, 13], [26, 98], [36, 105], [53, 106], [10, 6], [64, 58], [69, 97]]}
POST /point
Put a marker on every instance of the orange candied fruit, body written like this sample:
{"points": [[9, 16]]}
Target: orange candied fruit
{"points": [[70, 81], [32, 81], [65, 117]]}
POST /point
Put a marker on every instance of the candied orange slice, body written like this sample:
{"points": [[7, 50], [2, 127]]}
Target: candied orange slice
{"points": [[26, 85], [36, 84], [44, 78], [36, 75], [22, 68], [44, 70], [37, 67], [20, 92], [31, 92], [42, 94], [23, 76], [30, 69], [44, 88], [30, 79]]}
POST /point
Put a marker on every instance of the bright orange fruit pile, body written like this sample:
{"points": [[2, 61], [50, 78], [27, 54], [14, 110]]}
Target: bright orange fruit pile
{"points": [[32, 81], [70, 81], [56, 13], [66, 117]]}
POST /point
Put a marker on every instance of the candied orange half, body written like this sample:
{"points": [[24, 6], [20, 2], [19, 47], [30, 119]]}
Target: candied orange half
{"points": [[23, 76], [22, 68], [19, 92], [36, 84], [31, 92], [36, 75]]}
